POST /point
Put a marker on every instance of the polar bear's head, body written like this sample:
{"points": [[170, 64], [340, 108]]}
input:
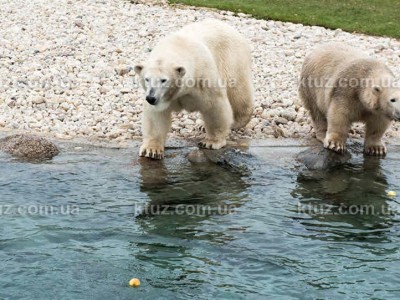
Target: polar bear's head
{"points": [[161, 83], [389, 102], [384, 100]]}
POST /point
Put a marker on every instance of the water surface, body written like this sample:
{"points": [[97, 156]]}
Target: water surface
{"points": [[276, 233]]}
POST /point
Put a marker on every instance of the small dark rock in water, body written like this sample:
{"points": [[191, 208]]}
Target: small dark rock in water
{"points": [[28, 147], [319, 158]]}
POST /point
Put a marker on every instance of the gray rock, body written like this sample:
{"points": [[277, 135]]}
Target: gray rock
{"points": [[29, 147], [122, 70], [11, 103], [319, 158], [232, 159], [280, 120], [39, 100], [79, 23]]}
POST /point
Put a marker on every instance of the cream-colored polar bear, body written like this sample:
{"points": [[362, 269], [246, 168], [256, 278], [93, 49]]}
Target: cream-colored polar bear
{"points": [[340, 85], [205, 67]]}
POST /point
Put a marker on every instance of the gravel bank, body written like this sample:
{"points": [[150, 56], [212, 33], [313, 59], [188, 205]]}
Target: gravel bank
{"points": [[66, 67]]}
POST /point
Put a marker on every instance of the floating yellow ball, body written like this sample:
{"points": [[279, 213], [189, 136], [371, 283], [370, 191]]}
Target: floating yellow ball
{"points": [[392, 194], [134, 282]]}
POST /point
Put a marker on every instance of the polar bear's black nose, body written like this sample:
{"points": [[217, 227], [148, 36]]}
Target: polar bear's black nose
{"points": [[151, 99]]}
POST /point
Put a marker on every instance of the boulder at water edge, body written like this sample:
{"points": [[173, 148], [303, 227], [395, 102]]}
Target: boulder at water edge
{"points": [[29, 147]]}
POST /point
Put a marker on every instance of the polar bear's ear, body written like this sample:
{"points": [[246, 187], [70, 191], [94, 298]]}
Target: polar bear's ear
{"points": [[181, 71], [138, 69]]}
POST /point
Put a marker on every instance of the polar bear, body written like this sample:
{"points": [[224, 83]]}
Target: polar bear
{"points": [[204, 67], [340, 85]]}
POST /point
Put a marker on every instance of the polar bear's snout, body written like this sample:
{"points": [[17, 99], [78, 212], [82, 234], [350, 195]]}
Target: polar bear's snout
{"points": [[156, 90], [150, 98]]}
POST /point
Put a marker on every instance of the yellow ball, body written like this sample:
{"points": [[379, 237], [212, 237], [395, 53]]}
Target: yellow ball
{"points": [[392, 194], [134, 282]]}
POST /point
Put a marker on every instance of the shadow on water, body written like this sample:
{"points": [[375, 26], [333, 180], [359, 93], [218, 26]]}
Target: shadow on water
{"points": [[346, 203]]}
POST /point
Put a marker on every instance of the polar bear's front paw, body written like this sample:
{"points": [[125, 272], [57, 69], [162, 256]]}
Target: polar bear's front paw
{"points": [[375, 150], [152, 151], [212, 144], [336, 145]]}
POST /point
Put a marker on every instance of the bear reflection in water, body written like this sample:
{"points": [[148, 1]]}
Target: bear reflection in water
{"points": [[350, 201], [189, 209], [187, 194]]}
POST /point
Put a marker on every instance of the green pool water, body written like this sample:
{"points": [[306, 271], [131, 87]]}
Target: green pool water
{"points": [[82, 225]]}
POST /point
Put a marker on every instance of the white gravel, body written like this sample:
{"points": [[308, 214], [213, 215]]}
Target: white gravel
{"points": [[66, 67]]}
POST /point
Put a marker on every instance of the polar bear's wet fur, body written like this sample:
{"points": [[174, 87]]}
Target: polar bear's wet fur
{"points": [[340, 85], [205, 67]]}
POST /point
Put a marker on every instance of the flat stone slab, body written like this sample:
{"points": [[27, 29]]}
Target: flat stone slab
{"points": [[319, 158], [231, 159]]}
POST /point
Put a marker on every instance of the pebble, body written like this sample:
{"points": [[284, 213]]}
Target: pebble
{"points": [[39, 100], [281, 121], [103, 90], [122, 70], [125, 90], [79, 24], [10, 103]]}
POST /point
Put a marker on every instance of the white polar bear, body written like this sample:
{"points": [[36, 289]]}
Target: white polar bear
{"points": [[341, 85], [205, 67]]}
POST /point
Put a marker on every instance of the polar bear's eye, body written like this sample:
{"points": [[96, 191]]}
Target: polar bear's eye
{"points": [[147, 79], [163, 80], [393, 100]]}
